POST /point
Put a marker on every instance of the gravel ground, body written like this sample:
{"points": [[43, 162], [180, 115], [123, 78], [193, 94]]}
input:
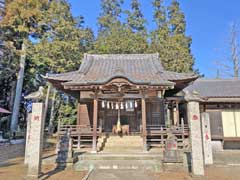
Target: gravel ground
{"points": [[227, 167], [15, 170]]}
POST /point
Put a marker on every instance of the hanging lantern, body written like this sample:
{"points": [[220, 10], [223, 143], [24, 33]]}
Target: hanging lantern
{"points": [[108, 105], [103, 104], [122, 105], [136, 104], [126, 105], [117, 106]]}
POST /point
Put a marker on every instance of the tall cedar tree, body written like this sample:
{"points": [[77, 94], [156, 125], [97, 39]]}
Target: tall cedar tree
{"points": [[114, 36], [160, 36], [18, 22], [60, 48], [135, 19], [169, 39], [179, 57], [110, 14]]}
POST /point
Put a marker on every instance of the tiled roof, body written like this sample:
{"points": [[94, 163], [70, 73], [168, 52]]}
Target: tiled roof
{"points": [[137, 68], [216, 88]]}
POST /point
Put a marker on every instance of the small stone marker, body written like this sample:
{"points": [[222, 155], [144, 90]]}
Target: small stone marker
{"points": [[65, 152], [34, 148], [171, 153]]}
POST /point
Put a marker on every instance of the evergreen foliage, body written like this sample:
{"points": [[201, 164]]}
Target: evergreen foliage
{"points": [[56, 41], [135, 19], [117, 37], [169, 39]]}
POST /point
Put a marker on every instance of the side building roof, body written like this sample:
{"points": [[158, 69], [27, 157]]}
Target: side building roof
{"points": [[213, 89]]}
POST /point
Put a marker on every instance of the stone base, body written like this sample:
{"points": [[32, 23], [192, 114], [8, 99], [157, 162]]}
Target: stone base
{"points": [[69, 162], [31, 177], [172, 156], [217, 146]]}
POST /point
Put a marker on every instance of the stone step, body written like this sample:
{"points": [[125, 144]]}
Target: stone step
{"points": [[123, 143], [126, 156], [120, 144], [124, 140], [123, 146], [117, 151], [125, 137], [155, 165]]}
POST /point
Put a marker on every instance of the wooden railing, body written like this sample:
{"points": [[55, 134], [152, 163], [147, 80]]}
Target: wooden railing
{"points": [[78, 129], [82, 136], [157, 134]]}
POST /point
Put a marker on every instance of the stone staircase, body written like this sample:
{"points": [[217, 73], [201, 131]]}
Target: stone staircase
{"points": [[125, 153], [140, 161], [120, 144]]}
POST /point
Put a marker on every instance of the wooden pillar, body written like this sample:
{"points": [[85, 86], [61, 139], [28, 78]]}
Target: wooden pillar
{"points": [[95, 110], [78, 109], [182, 126], [144, 123], [177, 113], [79, 142], [78, 113]]}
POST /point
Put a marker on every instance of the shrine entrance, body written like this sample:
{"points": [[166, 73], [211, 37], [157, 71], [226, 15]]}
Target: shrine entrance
{"points": [[128, 117]]}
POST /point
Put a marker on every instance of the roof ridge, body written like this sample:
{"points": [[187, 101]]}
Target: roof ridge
{"points": [[128, 56], [216, 79]]}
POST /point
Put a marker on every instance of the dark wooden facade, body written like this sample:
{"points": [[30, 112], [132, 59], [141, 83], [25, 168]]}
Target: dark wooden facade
{"points": [[121, 77]]}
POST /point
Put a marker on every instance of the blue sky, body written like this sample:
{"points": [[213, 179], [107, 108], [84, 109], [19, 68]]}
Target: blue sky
{"points": [[208, 23]]}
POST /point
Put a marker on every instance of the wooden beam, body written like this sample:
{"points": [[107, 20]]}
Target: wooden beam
{"points": [[117, 96], [144, 122], [95, 112]]}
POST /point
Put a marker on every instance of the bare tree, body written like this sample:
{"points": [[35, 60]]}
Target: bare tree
{"points": [[227, 64], [234, 45]]}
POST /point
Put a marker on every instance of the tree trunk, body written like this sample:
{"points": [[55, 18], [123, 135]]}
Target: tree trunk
{"points": [[46, 102], [17, 100], [50, 125], [12, 95]]}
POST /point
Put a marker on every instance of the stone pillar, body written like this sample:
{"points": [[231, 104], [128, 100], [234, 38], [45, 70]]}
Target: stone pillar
{"points": [[144, 124], [206, 137], [36, 139], [194, 120], [95, 112]]}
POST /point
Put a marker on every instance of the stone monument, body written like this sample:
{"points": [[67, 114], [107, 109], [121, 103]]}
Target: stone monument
{"points": [[171, 152], [65, 152]]}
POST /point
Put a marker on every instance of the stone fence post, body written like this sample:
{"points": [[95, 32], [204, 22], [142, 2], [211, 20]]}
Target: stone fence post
{"points": [[34, 147], [194, 121], [206, 137]]}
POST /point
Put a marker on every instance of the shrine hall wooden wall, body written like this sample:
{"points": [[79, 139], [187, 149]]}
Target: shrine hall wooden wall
{"points": [[108, 117]]}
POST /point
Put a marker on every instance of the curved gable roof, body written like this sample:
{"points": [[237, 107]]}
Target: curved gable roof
{"points": [[142, 69]]}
